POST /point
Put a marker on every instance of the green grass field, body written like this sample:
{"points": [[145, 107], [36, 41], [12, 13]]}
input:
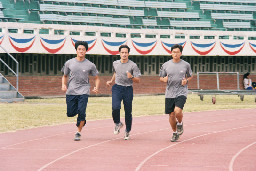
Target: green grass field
{"points": [[40, 112]]}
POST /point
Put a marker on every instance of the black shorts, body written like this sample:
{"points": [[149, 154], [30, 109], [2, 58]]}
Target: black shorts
{"points": [[170, 103]]}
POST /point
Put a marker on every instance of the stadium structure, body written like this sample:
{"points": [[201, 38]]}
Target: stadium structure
{"points": [[217, 36]]}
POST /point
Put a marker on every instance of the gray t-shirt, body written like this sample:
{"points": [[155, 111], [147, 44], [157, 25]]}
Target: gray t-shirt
{"points": [[121, 68], [78, 72], [175, 72]]}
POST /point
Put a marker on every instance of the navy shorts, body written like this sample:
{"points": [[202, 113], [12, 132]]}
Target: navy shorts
{"points": [[170, 103], [76, 104]]}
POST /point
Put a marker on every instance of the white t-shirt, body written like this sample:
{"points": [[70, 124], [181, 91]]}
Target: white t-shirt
{"points": [[247, 83]]}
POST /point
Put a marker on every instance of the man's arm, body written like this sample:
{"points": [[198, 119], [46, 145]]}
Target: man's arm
{"points": [[164, 79], [134, 79], [97, 84], [64, 83], [109, 83], [186, 80]]}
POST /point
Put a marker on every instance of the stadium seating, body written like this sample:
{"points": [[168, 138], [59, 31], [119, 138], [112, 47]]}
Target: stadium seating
{"points": [[178, 14], [232, 16], [157, 14], [224, 1], [227, 7]]}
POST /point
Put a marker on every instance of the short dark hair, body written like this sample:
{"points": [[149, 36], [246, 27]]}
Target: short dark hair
{"points": [[84, 43], [124, 46], [177, 46], [246, 75]]}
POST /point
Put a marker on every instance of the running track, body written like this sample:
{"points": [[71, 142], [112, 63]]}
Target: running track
{"points": [[213, 141]]}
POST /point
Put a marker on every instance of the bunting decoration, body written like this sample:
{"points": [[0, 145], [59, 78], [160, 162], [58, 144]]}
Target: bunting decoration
{"points": [[144, 48], [253, 47], [91, 43], [232, 49], [112, 47], [203, 49], [1, 39], [52, 46], [21, 45], [167, 46]]}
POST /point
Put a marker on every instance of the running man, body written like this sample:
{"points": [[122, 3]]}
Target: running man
{"points": [[176, 73], [75, 82], [125, 73]]}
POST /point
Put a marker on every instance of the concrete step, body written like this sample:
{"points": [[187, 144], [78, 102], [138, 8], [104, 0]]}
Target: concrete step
{"points": [[5, 86], [3, 80], [12, 100], [8, 94]]}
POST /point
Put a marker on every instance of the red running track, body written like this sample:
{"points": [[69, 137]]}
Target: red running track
{"points": [[213, 141]]}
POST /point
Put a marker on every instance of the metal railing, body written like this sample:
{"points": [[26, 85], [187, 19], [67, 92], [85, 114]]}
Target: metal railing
{"points": [[17, 67], [217, 77]]}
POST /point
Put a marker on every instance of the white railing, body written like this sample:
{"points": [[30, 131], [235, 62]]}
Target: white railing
{"points": [[217, 78], [17, 67]]}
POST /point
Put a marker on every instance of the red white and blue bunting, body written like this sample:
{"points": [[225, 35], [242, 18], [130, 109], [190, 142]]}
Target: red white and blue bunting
{"points": [[203, 48], [1, 39], [232, 49], [22, 44], [61, 44], [167, 46]]}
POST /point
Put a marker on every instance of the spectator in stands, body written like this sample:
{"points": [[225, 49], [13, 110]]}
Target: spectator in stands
{"points": [[247, 81], [176, 73], [75, 82], [125, 73]]}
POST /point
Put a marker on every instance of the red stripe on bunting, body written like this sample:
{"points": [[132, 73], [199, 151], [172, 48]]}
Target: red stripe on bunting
{"points": [[21, 49], [144, 52], [232, 53], [201, 52], [252, 48], [109, 51], [52, 50]]}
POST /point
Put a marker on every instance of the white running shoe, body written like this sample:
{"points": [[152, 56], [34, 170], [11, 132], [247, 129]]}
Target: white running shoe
{"points": [[117, 128]]}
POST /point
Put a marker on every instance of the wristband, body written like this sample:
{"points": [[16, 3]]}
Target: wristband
{"points": [[187, 81]]}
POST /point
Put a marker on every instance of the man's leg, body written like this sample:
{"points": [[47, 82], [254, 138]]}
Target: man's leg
{"points": [[178, 113], [128, 97], [72, 105], [81, 119], [179, 104], [169, 109], [173, 121], [116, 106]]}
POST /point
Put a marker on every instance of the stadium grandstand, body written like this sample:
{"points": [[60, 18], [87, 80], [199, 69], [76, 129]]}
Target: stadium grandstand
{"points": [[217, 36]]}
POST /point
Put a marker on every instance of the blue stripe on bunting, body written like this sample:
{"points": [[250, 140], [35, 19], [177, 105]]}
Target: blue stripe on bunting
{"points": [[254, 45], [202, 45], [22, 40], [52, 41], [144, 44], [89, 42], [113, 43], [170, 45], [233, 46]]}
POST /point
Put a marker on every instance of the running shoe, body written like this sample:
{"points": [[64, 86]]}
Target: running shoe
{"points": [[117, 128], [77, 137], [175, 137], [126, 135], [180, 129]]}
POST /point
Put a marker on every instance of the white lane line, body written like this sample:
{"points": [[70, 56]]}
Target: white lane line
{"points": [[237, 154], [88, 129], [37, 139], [83, 148], [6, 147], [214, 132]]}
